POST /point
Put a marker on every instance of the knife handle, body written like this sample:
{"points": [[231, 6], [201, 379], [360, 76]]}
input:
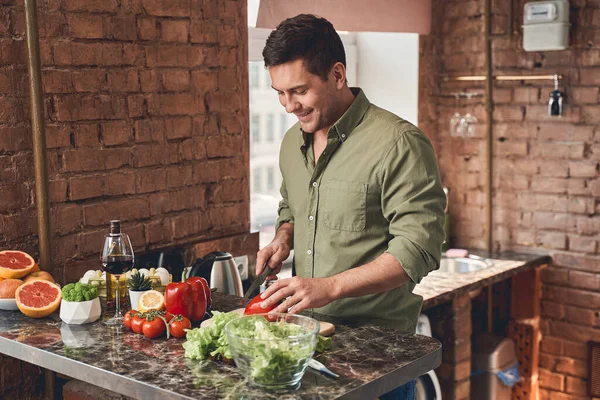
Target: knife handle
{"points": [[266, 271]]}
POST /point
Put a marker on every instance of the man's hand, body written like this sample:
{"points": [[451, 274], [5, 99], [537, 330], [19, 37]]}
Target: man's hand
{"points": [[277, 251], [380, 275], [301, 293]]}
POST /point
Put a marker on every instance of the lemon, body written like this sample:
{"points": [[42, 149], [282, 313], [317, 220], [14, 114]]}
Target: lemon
{"points": [[151, 300]]}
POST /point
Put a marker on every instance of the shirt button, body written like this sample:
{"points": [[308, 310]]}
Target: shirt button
{"points": [[309, 252], [314, 184], [311, 217], [343, 135]]}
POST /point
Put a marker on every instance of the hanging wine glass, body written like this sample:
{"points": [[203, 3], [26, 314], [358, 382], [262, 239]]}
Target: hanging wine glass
{"points": [[469, 121], [455, 129]]}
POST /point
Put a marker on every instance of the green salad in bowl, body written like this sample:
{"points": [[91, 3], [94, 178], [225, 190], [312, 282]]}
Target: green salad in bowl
{"points": [[272, 351]]}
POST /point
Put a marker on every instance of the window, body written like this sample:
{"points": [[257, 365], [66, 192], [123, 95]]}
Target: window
{"points": [[270, 127], [267, 79], [270, 177], [254, 76], [255, 128], [256, 179], [264, 153]]}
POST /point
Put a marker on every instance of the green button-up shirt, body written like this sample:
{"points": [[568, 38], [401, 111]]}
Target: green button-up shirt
{"points": [[376, 188]]}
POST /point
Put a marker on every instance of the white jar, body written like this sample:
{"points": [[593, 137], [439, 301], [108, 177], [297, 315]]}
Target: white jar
{"points": [[80, 312], [134, 296]]}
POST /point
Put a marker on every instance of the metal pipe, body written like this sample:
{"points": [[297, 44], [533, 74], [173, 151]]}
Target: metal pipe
{"points": [[509, 28], [467, 95], [527, 78], [489, 108], [504, 77], [38, 132]]}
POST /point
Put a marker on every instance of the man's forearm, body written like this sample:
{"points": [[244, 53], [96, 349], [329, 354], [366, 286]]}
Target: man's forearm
{"points": [[285, 234], [380, 275]]}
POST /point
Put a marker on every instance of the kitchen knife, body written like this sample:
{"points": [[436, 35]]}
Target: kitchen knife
{"points": [[257, 282]]}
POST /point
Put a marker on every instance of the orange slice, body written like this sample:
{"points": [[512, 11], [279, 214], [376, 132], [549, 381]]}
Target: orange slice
{"points": [[151, 300]]}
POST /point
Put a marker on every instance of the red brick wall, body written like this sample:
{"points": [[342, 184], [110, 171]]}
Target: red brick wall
{"points": [[20, 380], [147, 121], [546, 184]]}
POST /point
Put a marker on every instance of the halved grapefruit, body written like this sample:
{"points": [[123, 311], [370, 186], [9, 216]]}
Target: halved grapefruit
{"points": [[15, 264], [38, 299]]}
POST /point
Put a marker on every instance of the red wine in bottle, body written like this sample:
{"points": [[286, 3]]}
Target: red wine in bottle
{"points": [[117, 265]]}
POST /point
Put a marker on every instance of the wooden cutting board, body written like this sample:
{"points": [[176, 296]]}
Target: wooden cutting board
{"points": [[327, 329]]}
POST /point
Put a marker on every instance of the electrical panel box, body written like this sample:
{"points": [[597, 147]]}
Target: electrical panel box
{"points": [[546, 25]]}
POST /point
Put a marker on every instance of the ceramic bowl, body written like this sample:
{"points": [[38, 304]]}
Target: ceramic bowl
{"points": [[8, 304], [80, 312]]}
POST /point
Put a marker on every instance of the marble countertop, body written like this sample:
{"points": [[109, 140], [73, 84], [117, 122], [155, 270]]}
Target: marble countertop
{"points": [[370, 360], [439, 287]]}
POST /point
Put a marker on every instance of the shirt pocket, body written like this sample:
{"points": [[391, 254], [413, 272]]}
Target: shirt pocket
{"points": [[345, 205]]}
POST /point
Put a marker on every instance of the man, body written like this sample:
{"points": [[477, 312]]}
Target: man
{"points": [[362, 200]]}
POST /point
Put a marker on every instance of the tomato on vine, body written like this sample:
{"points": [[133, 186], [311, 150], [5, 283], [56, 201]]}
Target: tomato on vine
{"points": [[178, 326]]}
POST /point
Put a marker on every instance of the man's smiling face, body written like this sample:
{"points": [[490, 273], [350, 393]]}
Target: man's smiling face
{"points": [[306, 95]]}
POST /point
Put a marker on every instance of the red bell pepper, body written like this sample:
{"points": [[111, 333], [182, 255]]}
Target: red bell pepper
{"points": [[207, 293], [253, 307], [199, 308], [179, 299]]}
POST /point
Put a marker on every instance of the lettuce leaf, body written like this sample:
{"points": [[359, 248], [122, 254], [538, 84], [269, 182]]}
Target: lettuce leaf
{"points": [[209, 341], [323, 343]]}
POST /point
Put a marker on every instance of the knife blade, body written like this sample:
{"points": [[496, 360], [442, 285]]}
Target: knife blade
{"points": [[257, 282]]}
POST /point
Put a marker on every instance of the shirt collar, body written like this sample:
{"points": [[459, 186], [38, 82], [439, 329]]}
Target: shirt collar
{"points": [[353, 115], [349, 120]]}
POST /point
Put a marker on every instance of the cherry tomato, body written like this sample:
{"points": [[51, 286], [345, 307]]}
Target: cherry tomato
{"points": [[153, 327], [178, 324], [254, 307], [137, 323], [128, 318]]}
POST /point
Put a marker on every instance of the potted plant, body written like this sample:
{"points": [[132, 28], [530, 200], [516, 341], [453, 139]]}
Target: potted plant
{"points": [[138, 284], [80, 304]]}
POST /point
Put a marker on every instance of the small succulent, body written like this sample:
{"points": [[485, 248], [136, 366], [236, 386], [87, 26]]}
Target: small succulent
{"points": [[139, 282]]}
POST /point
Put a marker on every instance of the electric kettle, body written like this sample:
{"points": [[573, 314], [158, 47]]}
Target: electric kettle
{"points": [[219, 269]]}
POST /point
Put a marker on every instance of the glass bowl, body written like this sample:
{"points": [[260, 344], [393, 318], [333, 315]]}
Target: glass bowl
{"points": [[273, 350]]}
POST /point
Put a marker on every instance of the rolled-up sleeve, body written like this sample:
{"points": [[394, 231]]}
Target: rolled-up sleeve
{"points": [[413, 202], [284, 212]]}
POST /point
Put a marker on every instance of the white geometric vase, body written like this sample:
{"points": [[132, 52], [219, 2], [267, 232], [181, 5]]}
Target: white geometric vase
{"points": [[134, 296], [80, 312]]}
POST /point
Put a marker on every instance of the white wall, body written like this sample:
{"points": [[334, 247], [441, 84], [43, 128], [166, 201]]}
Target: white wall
{"points": [[388, 71]]}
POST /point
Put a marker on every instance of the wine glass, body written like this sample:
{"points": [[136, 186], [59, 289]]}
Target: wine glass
{"points": [[117, 258], [455, 126], [469, 122]]}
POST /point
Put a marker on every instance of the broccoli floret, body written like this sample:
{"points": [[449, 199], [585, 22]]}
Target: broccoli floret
{"points": [[79, 292]]}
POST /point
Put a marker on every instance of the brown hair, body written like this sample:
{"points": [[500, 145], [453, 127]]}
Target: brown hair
{"points": [[309, 38]]}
